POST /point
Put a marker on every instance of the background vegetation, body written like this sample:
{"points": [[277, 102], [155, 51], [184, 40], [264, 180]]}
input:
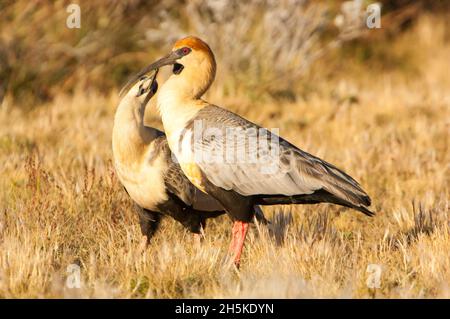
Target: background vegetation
{"points": [[374, 102]]}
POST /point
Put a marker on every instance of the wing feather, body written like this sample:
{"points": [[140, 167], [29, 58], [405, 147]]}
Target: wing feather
{"points": [[174, 179], [269, 166]]}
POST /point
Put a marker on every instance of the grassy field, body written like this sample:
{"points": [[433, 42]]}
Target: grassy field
{"points": [[61, 203]]}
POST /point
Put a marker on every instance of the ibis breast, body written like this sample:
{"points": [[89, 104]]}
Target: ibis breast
{"points": [[143, 182]]}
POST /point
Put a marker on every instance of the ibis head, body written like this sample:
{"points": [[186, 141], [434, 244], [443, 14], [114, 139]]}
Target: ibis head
{"points": [[194, 67]]}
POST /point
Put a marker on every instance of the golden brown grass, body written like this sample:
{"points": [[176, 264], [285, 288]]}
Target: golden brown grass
{"points": [[61, 204]]}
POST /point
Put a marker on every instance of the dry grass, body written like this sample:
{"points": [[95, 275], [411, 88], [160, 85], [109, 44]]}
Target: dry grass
{"points": [[60, 202]]}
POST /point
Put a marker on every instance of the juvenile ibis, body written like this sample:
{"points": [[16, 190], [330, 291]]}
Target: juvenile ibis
{"points": [[147, 170]]}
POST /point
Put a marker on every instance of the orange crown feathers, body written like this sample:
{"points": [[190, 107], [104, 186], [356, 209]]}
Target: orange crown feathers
{"points": [[194, 43]]}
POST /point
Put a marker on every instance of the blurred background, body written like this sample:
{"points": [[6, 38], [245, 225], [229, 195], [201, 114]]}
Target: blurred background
{"points": [[264, 48]]}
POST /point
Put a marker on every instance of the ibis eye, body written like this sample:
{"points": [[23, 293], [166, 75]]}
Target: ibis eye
{"points": [[141, 90], [185, 50]]}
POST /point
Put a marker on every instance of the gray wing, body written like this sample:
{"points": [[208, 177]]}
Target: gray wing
{"points": [[174, 179], [179, 185], [241, 156]]}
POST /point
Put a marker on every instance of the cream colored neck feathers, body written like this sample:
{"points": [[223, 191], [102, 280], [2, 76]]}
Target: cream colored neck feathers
{"points": [[179, 98], [130, 136]]}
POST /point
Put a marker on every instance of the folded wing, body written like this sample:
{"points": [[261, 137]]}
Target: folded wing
{"points": [[238, 155]]}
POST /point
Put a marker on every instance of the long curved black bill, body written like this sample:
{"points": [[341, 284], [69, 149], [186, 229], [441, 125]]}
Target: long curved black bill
{"points": [[171, 58], [152, 88]]}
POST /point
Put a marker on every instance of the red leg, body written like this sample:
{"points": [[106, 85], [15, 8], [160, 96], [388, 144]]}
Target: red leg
{"points": [[237, 241]]}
